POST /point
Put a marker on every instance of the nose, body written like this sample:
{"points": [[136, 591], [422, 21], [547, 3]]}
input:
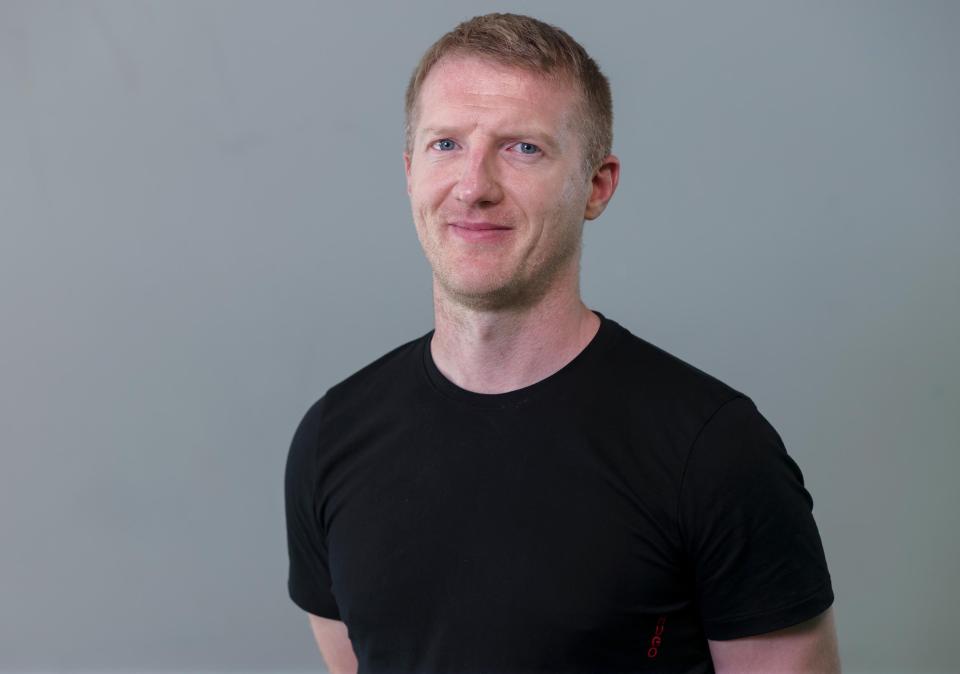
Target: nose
{"points": [[478, 184]]}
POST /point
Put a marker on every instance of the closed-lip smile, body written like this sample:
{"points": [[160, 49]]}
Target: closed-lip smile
{"points": [[476, 226]]}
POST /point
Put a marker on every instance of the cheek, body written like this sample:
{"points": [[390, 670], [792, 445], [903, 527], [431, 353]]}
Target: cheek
{"points": [[427, 188], [558, 202], [574, 191]]}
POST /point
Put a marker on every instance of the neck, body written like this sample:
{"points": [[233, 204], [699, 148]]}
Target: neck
{"points": [[504, 349]]}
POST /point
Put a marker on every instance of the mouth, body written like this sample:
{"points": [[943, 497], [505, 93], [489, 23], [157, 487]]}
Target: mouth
{"points": [[477, 226], [479, 231]]}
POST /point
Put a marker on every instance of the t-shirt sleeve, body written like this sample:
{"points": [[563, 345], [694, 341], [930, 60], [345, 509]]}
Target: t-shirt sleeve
{"points": [[309, 581], [748, 527]]}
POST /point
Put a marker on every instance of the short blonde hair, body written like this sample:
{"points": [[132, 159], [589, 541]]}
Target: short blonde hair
{"points": [[524, 42]]}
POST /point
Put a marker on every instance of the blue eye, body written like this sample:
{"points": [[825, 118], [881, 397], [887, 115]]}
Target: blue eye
{"points": [[444, 144], [528, 148]]}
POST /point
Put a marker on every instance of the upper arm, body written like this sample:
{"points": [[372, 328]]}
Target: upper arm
{"points": [[810, 647], [334, 643]]}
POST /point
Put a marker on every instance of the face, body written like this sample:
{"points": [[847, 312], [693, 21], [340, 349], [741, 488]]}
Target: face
{"points": [[496, 183]]}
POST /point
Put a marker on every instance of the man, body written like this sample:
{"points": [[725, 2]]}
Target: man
{"points": [[529, 487]]}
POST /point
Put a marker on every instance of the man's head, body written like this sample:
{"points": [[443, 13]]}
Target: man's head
{"points": [[500, 170], [528, 44]]}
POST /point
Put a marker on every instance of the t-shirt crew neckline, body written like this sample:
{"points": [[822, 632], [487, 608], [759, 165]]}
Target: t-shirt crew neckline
{"points": [[591, 351]]}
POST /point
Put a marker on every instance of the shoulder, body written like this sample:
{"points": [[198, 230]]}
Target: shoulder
{"points": [[669, 387], [394, 366], [367, 387]]}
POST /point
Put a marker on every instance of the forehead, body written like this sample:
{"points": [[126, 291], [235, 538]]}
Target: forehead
{"points": [[471, 86]]}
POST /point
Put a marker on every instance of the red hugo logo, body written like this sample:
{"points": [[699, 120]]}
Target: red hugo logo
{"points": [[657, 637]]}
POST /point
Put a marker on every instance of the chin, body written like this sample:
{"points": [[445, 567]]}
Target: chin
{"points": [[488, 296]]}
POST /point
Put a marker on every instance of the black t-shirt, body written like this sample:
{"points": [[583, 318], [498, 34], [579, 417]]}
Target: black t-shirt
{"points": [[611, 517]]}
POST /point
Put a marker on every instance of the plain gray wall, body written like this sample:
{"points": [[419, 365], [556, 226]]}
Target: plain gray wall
{"points": [[203, 225]]}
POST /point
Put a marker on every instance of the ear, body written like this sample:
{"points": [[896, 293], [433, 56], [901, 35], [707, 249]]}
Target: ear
{"points": [[602, 186], [406, 169]]}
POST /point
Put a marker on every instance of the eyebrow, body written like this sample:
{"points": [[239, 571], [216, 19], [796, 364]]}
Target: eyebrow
{"points": [[539, 136]]}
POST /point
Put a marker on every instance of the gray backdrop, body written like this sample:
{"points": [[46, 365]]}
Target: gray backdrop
{"points": [[203, 225]]}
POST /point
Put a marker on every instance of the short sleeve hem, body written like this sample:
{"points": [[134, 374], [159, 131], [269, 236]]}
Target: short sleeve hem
{"points": [[769, 621], [312, 605]]}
